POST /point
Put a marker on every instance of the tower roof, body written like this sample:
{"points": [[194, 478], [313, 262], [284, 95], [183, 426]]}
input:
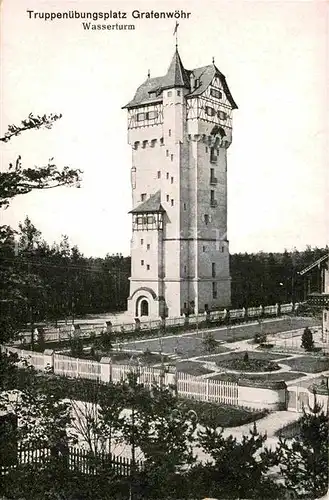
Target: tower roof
{"points": [[176, 75], [152, 205], [150, 92]]}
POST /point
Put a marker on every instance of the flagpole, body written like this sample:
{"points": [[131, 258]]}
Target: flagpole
{"points": [[176, 33]]}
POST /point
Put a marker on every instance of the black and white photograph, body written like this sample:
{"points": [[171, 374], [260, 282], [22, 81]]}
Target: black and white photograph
{"points": [[164, 250]]}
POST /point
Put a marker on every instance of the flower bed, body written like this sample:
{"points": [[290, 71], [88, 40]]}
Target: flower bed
{"points": [[248, 364]]}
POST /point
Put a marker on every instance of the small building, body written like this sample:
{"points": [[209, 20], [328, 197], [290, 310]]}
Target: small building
{"points": [[318, 290]]}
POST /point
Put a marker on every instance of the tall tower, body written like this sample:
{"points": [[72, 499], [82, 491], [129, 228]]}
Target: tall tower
{"points": [[179, 128]]}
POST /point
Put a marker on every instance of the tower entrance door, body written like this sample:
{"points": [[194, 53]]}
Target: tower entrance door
{"points": [[144, 308]]}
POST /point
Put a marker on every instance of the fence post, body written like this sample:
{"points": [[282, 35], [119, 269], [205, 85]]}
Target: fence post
{"points": [[48, 359], [105, 369], [207, 389], [137, 324], [277, 309]]}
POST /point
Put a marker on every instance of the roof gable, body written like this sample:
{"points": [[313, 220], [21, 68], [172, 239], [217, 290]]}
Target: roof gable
{"points": [[151, 205]]}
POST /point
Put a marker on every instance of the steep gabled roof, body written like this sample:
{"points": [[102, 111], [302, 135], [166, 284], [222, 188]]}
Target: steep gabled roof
{"points": [[206, 74], [150, 92], [152, 205]]}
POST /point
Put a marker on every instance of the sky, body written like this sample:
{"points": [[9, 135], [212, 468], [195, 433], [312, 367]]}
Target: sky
{"points": [[275, 59]]}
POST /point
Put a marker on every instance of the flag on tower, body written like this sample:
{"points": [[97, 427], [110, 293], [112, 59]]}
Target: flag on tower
{"points": [[176, 27]]}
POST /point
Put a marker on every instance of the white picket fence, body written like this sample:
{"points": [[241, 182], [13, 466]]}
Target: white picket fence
{"points": [[65, 332], [207, 390], [75, 367]]}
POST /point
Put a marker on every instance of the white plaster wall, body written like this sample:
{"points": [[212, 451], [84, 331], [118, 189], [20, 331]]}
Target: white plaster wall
{"points": [[258, 398]]}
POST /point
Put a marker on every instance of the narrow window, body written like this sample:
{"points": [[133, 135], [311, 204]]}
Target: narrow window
{"points": [[206, 149], [167, 197], [206, 218], [223, 248], [148, 246], [184, 206], [169, 132], [161, 141], [213, 269], [204, 248], [167, 175], [172, 157], [143, 196], [172, 180], [144, 144], [142, 241], [147, 267], [185, 269], [178, 93], [167, 152], [172, 202], [159, 174], [212, 196], [142, 263], [214, 290], [169, 94], [185, 305]]}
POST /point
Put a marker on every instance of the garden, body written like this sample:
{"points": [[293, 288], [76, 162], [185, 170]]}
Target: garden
{"points": [[245, 361]]}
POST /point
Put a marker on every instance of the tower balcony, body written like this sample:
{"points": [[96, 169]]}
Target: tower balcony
{"points": [[213, 203], [318, 300], [213, 181]]}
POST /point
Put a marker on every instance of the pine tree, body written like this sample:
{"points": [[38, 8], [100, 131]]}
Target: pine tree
{"points": [[307, 340], [304, 460]]}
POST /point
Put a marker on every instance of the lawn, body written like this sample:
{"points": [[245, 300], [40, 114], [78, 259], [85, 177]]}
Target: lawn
{"points": [[219, 415], [290, 431], [308, 364], [232, 377], [192, 368]]}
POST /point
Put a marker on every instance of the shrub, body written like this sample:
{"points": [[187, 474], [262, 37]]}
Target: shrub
{"points": [[307, 340]]}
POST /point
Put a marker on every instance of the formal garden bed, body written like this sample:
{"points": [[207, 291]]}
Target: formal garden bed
{"points": [[309, 364], [266, 377], [247, 362], [265, 356]]}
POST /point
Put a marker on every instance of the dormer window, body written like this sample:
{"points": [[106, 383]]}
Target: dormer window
{"points": [[152, 94], [215, 93], [197, 83]]}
